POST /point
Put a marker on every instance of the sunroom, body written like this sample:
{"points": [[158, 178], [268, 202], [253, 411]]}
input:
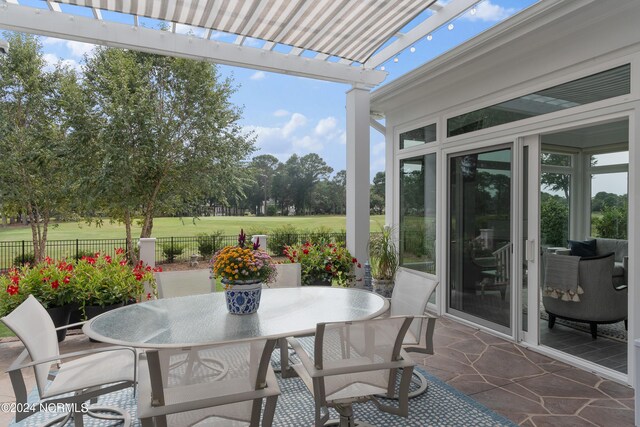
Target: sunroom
{"points": [[513, 151]]}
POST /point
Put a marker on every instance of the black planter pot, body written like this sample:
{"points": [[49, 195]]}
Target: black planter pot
{"points": [[60, 317], [94, 310], [321, 281]]}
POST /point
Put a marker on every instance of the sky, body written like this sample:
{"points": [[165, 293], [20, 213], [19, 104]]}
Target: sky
{"points": [[289, 114]]}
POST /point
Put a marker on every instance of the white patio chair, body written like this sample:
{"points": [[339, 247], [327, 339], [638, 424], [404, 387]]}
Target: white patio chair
{"points": [[410, 296], [194, 394], [354, 361], [186, 282], [99, 371]]}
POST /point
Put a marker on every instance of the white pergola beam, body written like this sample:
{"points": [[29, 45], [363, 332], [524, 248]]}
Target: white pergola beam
{"points": [[54, 7], [435, 21], [88, 30], [377, 126], [97, 14]]}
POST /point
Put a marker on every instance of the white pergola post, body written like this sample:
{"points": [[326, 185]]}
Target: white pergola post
{"points": [[358, 149]]}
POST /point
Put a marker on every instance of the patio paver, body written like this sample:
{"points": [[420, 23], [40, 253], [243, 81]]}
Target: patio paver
{"points": [[527, 387]]}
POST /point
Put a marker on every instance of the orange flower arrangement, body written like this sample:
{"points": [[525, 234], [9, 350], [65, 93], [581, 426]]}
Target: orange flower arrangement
{"points": [[240, 263]]}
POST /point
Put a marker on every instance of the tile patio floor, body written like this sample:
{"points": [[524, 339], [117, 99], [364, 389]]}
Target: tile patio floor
{"points": [[526, 387]]}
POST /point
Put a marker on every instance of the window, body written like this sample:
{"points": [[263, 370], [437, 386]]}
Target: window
{"points": [[418, 213], [418, 136], [604, 85], [609, 189]]}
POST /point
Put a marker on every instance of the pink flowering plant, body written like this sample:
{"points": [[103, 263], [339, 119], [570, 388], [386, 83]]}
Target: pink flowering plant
{"points": [[324, 261], [93, 280]]}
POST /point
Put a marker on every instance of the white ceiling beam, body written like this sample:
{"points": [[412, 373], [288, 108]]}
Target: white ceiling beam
{"points": [[436, 7], [54, 7], [55, 24], [429, 25], [269, 46], [97, 13], [239, 40], [377, 126], [135, 21]]}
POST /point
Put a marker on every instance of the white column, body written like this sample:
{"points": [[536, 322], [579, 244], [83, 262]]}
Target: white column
{"points": [[148, 250], [633, 279], [358, 171]]}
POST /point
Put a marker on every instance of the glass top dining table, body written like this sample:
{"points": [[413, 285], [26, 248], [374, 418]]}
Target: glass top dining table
{"points": [[203, 319]]}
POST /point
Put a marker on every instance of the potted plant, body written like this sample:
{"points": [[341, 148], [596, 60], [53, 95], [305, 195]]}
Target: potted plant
{"points": [[383, 260], [243, 270], [107, 282], [49, 282], [323, 264]]}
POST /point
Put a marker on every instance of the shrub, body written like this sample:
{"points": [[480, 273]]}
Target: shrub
{"points": [[208, 244], [281, 237], [24, 259], [81, 254], [613, 222], [171, 251], [554, 221]]}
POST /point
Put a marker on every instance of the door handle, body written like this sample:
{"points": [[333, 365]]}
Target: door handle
{"points": [[530, 250]]}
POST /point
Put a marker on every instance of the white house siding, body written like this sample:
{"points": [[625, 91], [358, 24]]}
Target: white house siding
{"points": [[553, 42]]}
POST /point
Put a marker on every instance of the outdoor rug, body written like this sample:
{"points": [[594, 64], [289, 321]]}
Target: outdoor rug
{"points": [[614, 331], [441, 405]]}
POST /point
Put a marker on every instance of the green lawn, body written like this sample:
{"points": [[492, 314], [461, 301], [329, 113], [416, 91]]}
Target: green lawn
{"points": [[176, 227]]}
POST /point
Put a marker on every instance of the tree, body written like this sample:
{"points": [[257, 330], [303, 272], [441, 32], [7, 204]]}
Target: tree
{"points": [[262, 170], [165, 136], [302, 175], [376, 203], [33, 178], [554, 220]]}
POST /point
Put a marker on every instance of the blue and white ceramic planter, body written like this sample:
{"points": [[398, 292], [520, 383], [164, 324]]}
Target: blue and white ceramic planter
{"points": [[243, 297]]}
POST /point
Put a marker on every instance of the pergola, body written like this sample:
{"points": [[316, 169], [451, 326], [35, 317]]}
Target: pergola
{"points": [[342, 41]]}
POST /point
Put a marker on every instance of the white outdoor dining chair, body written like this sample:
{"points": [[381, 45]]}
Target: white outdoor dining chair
{"points": [[191, 393], [410, 296], [354, 361], [185, 282], [99, 371]]}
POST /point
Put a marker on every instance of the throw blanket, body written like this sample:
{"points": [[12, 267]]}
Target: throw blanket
{"points": [[561, 277]]}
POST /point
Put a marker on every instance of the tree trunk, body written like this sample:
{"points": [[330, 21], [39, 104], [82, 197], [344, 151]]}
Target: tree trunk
{"points": [[147, 225], [32, 214], [131, 254]]}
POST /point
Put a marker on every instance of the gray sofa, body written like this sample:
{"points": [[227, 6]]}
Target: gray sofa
{"points": [[621, 250]]}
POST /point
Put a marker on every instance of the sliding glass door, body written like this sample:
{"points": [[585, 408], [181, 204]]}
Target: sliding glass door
{"points": [[480, 241]]}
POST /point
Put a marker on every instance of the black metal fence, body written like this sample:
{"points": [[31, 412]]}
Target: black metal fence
{"points": [[168, 249]]}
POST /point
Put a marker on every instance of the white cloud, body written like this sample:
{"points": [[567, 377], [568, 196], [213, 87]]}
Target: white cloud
{"points": [[188, 29], [307, 143], [489, 12], [258, 75], [326, 125], [77, 49], [342, 138], [296, 121], [52, 60], [281, 113]]}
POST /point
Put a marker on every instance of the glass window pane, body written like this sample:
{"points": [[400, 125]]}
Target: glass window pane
{"points": [[418, 136], [607, 159], [604, 85], [609, 205], [480, 235], [554, 209], [418, 213], [556, 159]]}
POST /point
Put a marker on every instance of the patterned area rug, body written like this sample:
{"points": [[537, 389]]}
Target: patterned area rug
{"points": [[441, 405], [615, 331]]}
